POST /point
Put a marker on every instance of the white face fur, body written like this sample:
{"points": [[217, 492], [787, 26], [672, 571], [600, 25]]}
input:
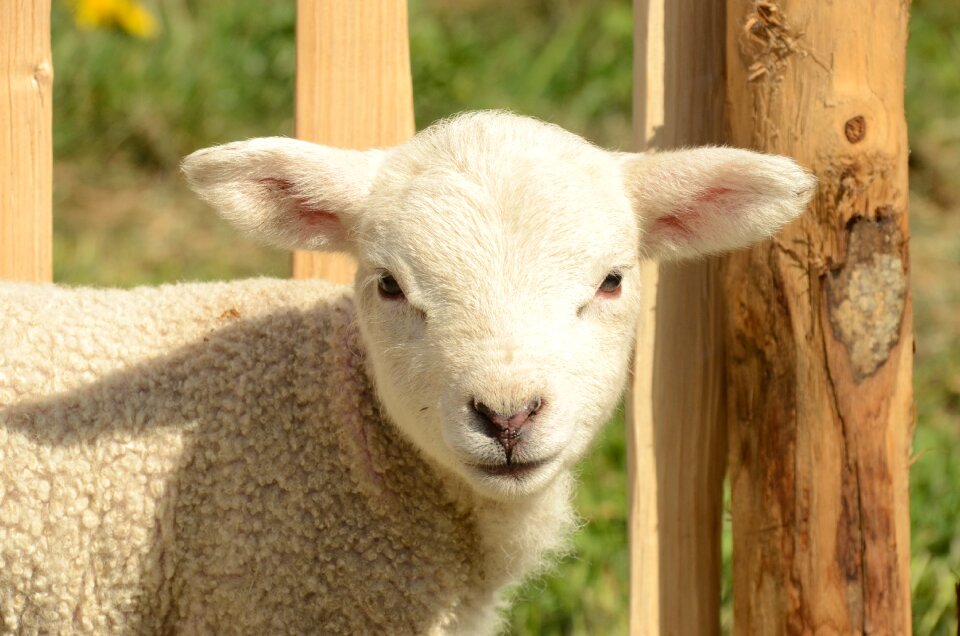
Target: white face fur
{"points": [[498, 283]]}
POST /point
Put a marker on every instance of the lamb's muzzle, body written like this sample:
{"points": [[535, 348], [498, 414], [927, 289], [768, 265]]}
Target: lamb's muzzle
{"points": [[507, 429]]}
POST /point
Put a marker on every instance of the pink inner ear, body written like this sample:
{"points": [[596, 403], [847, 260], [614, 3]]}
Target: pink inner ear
{"points": [[680, 222], [314, 217], [309, 215], [711, 195]]}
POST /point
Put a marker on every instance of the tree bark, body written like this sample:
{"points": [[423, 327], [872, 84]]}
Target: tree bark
{"points": [[819, 336], [354, 90], [675, 412]]}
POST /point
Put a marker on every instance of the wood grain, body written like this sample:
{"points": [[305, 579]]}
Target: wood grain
{"points": [[26, 160], [354, 90], [677, 441], [820, 340]]}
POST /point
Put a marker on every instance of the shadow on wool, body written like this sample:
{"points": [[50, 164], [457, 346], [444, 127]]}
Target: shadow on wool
{"points": [[271, 494]]}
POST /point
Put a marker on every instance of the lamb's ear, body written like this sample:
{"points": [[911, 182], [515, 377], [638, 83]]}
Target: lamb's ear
{"points": [[711, 200], [290, 193]]}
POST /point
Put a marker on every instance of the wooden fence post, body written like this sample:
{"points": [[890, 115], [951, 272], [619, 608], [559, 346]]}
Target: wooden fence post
{"points": [[26, 146], [677, 440], [354, 89], [820, 340]]}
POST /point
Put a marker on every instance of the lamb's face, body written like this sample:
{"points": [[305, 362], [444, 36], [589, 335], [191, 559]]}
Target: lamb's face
{"points": [[498, 282], [498, 299]]}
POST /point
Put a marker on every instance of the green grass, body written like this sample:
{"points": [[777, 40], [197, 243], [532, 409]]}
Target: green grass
{"points": [[933, 95], [126, 110]]}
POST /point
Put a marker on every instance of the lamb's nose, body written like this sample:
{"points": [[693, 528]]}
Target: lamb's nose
{"points": [[506, 429]]}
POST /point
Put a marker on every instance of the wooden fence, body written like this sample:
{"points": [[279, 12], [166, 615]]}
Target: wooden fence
{"points": [[787, 366]]}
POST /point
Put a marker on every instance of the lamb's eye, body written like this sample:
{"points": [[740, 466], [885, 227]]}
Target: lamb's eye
{"points": [[389, 288], [610, 287]]}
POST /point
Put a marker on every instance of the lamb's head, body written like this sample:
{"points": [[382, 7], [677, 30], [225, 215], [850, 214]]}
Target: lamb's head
{"points": [[498, 285]]}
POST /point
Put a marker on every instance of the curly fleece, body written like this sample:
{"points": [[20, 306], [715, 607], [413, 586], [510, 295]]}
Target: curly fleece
{"points": [[210, 458]]}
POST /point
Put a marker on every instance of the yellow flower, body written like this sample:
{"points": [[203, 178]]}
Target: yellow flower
{"points": [[137, 21], [128, 15]]}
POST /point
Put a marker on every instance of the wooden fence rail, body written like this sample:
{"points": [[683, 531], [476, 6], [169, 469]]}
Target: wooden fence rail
{"points": [[354, 90], [820, 336], [26, 141], [676, 428]]}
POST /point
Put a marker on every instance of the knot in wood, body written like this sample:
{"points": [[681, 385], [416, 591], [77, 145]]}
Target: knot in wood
{"points": [[855, 129]]}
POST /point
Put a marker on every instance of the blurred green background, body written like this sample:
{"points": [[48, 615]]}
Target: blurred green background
{"points": [[139, 85]]}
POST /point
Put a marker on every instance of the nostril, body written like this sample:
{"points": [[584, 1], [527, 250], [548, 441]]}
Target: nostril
{"points": [[499, 422], [534, 406], [492, 424], [484, 411]]}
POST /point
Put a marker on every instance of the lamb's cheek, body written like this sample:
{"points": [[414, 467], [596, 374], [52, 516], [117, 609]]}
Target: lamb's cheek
{"points": [[600, 362], [392, 346], [400, 368], [603, 367]]}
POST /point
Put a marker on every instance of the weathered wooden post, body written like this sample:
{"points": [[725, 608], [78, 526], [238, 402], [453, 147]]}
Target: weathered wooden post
{"points": [[820, 340], [354, 89], [26, 146], [677, 440]]}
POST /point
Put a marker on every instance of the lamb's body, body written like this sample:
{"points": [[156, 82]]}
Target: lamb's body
{"points": [[210, 458]]}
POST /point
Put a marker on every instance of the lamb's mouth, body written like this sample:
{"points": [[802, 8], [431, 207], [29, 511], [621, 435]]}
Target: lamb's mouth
{"points": [[514, 470]]}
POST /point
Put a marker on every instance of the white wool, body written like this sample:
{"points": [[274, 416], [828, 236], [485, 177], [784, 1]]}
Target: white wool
{"points": [[203, 458], [282, 456]]}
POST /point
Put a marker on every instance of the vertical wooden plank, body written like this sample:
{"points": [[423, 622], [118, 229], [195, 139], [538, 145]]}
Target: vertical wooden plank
{"points": [[820, 330], [677, 438], [354, 89], [646, 590], [26, 147]]}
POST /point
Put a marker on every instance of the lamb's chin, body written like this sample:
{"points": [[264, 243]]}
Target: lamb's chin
{"points": [[512, 481]]}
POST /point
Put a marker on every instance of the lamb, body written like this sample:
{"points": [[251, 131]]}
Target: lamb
{"points": [[272, 456]]}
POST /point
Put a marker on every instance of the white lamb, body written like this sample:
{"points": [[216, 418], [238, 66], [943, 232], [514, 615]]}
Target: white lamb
{"points": [[270, 457]]}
